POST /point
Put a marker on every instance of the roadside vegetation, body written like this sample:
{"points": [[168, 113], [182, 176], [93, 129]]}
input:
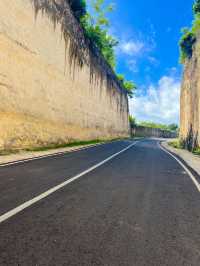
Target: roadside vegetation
{"points": [[178, 144], [52, 146], [96, 27], [170, 127], [189, 36], [55, 146]]}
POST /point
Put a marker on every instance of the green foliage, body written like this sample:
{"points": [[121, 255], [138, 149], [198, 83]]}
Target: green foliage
{"points": [[129, 86], [132, 121], [176, 144], [188, 38], [187, 41], [96, 30], [196, 7], [171, 127], [79, 8], [196, 24], [196, 151]]}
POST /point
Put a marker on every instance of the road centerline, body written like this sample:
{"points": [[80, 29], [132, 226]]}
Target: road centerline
{"points": [[47, 193]]}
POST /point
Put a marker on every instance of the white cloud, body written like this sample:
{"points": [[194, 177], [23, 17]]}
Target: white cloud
{"points": [[153, 61], [132, 65], [160, 103], [131, 47]]}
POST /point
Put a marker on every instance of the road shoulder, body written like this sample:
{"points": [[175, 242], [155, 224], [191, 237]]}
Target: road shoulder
{"points": [[32, 155], [189, 159]]}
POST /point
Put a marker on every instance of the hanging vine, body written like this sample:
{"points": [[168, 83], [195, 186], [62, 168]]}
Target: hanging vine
{"points": [[81, 49]]}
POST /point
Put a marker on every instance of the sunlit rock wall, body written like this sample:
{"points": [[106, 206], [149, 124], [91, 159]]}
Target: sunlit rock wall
{"points": [[45, 96], [190, 101]]}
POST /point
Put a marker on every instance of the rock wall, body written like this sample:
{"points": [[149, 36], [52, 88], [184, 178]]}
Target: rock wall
{"points": [[190, 101], [45, 96], [141, 131]]}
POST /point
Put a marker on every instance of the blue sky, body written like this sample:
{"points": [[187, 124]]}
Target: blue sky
{"points": [[148, 53]]}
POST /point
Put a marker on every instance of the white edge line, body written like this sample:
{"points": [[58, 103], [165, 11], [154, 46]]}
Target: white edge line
{"points": [[53, 154], [27, 204], [196, 183]]}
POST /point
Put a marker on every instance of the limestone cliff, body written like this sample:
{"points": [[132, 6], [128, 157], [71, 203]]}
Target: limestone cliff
{"points": [[190, 100], [53, 86]]}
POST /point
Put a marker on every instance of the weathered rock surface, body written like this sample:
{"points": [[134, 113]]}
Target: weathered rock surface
{"points": [[190, 100], [45, 97]]}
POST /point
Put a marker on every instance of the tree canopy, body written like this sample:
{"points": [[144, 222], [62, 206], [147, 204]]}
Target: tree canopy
{"points": [[96, 29], [188, 38]]}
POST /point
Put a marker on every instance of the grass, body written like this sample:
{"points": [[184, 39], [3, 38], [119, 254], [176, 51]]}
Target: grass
{"points": [[8, 152], [57, 146], [197, 151], [64, 145], [176, 144]]}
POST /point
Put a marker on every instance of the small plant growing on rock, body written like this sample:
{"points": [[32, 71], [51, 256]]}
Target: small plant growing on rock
{"points": [[189, 36], [196, 7], [186, 44]]}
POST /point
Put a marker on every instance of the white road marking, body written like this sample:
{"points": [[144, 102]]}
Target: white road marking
{"points": [[27, 204], [196, 183]]}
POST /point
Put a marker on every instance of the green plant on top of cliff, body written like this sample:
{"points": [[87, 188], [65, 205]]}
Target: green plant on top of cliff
{"points": [[189, 36], [196, 7], [78, 7], [186, 44], [128, 85], [96, 30]]}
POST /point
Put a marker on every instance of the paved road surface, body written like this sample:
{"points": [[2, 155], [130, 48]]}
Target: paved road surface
{"points": [[140, 208]]}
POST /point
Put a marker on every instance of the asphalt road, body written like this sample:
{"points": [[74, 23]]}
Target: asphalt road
{"points": [[140, 208]]}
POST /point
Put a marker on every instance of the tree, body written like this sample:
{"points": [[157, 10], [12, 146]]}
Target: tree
{"points": [[132, 121], [173, 127], [96, 28], [186, 44]]}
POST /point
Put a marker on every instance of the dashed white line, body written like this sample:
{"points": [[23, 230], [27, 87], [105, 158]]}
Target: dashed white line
{"points": [[196, 183], [29, 203]]}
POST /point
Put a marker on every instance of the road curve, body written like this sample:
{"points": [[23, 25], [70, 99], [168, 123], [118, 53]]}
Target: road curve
{"points": [[140, 208]]}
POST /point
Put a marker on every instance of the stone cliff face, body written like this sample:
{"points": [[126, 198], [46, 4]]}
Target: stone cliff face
{"points": [[190, 100], [50, 91]]}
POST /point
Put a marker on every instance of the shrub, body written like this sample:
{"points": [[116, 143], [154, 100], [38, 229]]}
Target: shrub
{"points": [[189, 36], [132, 121], [186, 44], [129, 86], [176, 144], [196, 7], [78, 7], [96, 30]]}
